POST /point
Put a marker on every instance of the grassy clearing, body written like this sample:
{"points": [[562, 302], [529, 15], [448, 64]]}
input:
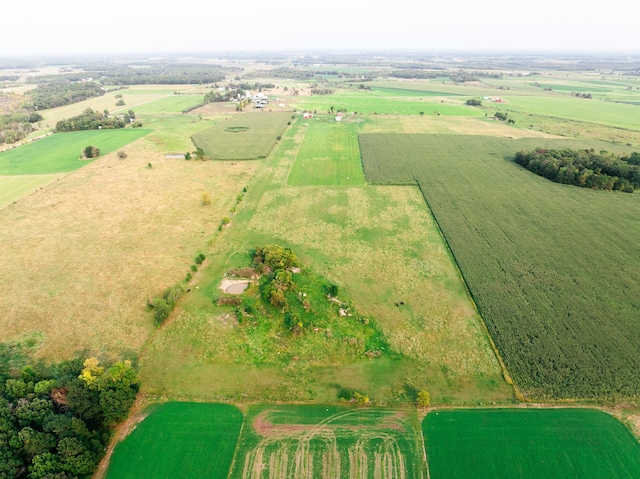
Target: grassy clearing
{"points": [[408, 92], [529, 444], [83, 256], [553, 284], [172, 133], [179, 440], [243, 137], [370, 102], [329, 155], [12, 188], [167, 104], [60, 153], [328, 442], [592, 111], [381, 247]]}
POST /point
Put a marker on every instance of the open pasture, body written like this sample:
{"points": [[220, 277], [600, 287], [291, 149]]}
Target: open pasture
{"points": [[13, 188], [60, 153], [296, 442], [408, 92], [329, 154], [529, 444], [381, 247], [590, 111], [242, 137], [179, 439], [82, 257], [371, 102], [163, 105], [550, 266]]}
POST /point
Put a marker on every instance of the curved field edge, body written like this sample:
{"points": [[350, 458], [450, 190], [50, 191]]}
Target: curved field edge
{"points": [[529, 444], [548, 277], [179, 440]]}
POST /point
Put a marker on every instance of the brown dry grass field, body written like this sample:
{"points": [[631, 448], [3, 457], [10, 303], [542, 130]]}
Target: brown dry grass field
{"points": [[82, 256]]}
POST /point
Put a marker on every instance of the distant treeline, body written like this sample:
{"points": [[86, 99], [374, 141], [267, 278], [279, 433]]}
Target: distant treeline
{"points": [[586, 168], [64, 92], [56, 420], [93, 120], [16, 126], [9, 77], [164, 74]]}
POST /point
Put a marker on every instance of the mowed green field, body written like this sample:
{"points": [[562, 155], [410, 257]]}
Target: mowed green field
{"points": [[372, 102], [286, 441], [551, 267], [60, 153], [179, 440], [243, 137], [169, 104], [591, 111], [529, 444], [13, 188], [329, 155]]}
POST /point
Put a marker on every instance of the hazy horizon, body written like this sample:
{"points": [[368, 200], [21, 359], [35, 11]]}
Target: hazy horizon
{"points": [[86, 27]]}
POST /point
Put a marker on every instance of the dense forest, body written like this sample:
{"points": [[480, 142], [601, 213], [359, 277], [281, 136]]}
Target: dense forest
{"points": [[56, 420], [16, 126], [586, 168], [93, 120], [60, 93]]}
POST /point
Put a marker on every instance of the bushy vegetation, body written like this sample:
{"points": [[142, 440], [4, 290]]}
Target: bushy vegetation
{"points": [[586, 168], [94, 120], [164, 304], [56, 420]]}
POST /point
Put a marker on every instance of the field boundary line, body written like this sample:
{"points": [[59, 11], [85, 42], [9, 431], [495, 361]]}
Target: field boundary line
{"points": [[505, 372], [235, 451], [129, 107], [295, 158]]}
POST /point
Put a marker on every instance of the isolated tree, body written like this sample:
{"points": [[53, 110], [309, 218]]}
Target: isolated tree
{"points": [[122, 155], [206, 199], [423, 399]]}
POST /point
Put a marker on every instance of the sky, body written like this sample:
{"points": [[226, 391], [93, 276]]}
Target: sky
{"points": [[69, 27]]}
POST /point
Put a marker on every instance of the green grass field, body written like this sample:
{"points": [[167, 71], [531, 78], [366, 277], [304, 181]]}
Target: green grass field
{"points": [[243, 137], [407, 92], [329, 155], [13, 188], [529, 444], [60, 153], [381, 247], [371, 102], [169, 104], [550, 266], [280, 442], [179, 440], [591, 111]]}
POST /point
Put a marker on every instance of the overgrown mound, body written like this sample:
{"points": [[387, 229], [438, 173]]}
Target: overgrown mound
{"points": [[295, 314]]}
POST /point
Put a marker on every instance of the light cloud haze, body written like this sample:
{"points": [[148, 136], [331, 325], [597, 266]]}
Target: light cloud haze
{"points": [[62, 27]]}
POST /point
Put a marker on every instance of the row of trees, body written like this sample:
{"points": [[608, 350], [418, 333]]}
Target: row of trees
{"points": [[586, 168], [56, 420], [93, 120]]}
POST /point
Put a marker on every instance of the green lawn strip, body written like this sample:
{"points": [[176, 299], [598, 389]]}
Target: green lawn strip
{"points": [[170, 104], [329, 155], [529, 444], [592, 111], [553, 282], [13, 188], [283, 441], [243, 137], [60, 153], [409, 92], [179, 440], [372, 103], [172, 133]]}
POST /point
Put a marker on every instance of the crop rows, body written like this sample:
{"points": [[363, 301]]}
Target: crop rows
{"points": [[552, 268]]}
